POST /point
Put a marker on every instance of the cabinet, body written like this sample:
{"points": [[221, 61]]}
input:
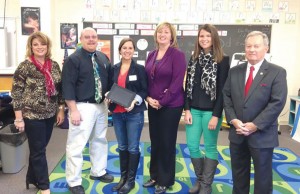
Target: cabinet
{"points": [[294, 105]]}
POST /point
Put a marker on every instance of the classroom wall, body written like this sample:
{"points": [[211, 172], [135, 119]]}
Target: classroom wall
{"points": [[284, 42]]}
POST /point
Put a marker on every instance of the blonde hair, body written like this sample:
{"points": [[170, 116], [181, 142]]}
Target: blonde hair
{"points": [[41, 37], [174, 42]]}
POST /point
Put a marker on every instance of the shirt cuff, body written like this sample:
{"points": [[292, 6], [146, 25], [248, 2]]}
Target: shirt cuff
{"points": [[138, 99]]}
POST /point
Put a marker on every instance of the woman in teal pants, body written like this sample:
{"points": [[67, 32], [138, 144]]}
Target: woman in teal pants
{"points": [[206, 75]]}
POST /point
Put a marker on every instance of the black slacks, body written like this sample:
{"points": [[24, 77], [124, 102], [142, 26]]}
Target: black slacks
{"points": [[241, 155], [163, 127], [38, 133]]}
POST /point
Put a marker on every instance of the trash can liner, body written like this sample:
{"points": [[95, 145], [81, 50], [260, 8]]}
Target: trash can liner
{"points": [[11, 135]]}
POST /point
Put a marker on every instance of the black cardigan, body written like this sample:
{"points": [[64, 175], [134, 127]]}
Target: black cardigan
{"points": [[201, 100], [138, 85]]}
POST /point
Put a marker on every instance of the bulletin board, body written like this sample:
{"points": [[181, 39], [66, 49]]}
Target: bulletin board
{"points": [[232, 37]]}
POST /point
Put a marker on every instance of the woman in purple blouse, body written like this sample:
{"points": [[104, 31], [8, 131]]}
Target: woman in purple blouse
{"points": [[165, 68]]}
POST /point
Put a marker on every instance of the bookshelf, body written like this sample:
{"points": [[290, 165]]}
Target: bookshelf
{"points": [[294, 105]]}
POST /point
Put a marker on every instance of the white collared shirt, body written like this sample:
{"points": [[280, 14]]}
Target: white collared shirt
{"points": [[256, 69]]}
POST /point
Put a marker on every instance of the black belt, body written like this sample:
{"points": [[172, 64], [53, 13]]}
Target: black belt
{"points": [[87, 101], [90, 101]]}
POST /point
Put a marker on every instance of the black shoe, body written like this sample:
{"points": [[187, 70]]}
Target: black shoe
{"points": [[106, 178], [160, 189], [118, 186], [32, 183], [77, 189], [149, 183]]}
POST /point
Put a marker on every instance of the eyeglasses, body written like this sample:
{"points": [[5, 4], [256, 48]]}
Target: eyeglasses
{"points": [[90, 37]]}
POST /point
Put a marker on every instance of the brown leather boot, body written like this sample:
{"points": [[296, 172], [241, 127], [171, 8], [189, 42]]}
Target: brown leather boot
{"points": [[198, 168], [209, 171]]}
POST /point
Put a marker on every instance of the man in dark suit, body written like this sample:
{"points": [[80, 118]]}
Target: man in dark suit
{"points": [[253, 115]]}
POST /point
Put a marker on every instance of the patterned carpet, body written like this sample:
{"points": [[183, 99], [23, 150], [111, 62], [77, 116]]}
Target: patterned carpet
{"points": [[286, 172]]}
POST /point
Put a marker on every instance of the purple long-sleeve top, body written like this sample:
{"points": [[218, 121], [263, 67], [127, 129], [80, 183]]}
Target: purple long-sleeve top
{"points": [[165, 77]]}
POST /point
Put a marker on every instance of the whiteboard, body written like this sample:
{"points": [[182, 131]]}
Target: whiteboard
{"points": [[8, 46], [3, 48], [239, 58]]}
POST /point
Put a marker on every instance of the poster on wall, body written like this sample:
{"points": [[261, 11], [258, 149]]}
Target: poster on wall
{"points": [[30, 20], [105, 47], [68, 35]]}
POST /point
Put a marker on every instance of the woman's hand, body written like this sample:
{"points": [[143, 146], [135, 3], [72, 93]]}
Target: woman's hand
{"points": [[131, 106], [188, 119], [20, 125], [106, 100], [153, 103], [19, 122], [60, 116], [213, 123]]}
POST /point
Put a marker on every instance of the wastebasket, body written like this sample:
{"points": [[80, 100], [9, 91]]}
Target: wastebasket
{"points": [[13, 145]]}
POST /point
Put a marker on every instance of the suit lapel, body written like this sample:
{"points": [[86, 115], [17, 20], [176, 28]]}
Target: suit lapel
{"points": [[130, 70], [118, 69], [241, 78], [116, 72]]}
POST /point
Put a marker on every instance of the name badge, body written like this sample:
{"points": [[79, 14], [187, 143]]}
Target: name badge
{"points": [[132, 78]]}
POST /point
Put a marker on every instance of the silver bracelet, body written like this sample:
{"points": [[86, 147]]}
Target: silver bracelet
{"points": [[18, 120]]}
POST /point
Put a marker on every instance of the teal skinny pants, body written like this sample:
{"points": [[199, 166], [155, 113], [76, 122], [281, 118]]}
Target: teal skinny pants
{"points": [[198, 128]]}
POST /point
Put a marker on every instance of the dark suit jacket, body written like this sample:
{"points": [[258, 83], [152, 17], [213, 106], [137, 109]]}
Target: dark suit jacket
{"points": [[136, 81], [262, 106]]}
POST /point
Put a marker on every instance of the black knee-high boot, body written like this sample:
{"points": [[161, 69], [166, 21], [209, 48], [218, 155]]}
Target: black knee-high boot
{"points": [[133, 165], [124, 158]]}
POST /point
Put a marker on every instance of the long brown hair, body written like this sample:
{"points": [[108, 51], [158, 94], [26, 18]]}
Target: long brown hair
{"points": [[216, 43]]}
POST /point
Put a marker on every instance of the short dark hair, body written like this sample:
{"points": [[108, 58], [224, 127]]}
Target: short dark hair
{"points": [[123, 41]]}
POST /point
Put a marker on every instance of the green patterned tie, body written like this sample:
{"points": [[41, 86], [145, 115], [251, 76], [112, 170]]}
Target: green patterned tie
{"points": [[98, 86]]}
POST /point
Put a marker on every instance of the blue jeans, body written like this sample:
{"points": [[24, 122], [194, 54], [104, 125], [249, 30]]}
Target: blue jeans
{"points": [[128, 128]]}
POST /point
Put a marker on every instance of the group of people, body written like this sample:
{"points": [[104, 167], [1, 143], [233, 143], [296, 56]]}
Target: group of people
{"points": [[40, 92]]}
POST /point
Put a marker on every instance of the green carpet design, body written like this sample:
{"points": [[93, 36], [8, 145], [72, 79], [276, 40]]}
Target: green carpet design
{"points": [[286, 172]]}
